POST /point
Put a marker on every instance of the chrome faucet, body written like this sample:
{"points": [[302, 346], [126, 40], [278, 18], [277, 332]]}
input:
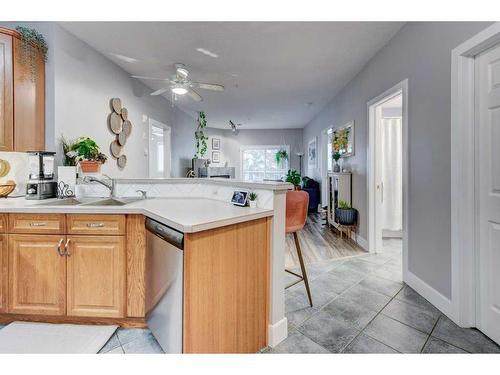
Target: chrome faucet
{"points": [[109, 183]]}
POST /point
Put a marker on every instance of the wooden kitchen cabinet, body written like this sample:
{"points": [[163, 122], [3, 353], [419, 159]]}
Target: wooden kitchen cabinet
{"points": [[96, 276], [6, 94], [37, 275], [22, 97], [3, 273]]}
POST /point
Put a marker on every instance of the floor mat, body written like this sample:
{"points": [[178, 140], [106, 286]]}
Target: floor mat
{"points": [[26, 337]]}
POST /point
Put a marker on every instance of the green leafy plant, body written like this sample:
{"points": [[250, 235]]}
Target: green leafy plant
{"points": [[83, 148], [281, 155], [344, 205], [336, 156], [293, 177], [200, 137], [252, 196], [31, 43]]}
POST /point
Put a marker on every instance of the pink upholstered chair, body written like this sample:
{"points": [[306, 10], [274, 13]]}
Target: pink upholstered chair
{"points": [[297, 203]]}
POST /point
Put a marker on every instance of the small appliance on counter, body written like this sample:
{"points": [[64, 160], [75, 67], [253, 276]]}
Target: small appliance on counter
{"points": [[41, 184]]}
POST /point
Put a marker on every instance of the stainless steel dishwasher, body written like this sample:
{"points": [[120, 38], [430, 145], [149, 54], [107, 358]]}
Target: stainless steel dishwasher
{"points": [[164, 284]]}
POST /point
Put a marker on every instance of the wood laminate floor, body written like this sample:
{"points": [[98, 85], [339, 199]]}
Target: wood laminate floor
{"points": [[319, 243]]}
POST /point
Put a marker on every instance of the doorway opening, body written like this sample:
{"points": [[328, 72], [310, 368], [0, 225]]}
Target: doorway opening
{"points": [[387, 172], [159, 149]]}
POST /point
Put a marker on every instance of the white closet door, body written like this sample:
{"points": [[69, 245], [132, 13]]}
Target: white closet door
{"points": [[488, 190]]}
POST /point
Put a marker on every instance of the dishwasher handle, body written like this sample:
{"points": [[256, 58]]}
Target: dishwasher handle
{"points": [[167, 234]]}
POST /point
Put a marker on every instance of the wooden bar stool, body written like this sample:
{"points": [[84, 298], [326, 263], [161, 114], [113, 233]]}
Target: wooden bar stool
{"points": [[297, 203]]}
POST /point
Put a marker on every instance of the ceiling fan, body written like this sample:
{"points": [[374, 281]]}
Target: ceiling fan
{"points": [[234, 127], [180, 84]]}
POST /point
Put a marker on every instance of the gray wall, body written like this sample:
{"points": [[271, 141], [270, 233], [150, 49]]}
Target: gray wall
{"points": [[230, 143], [420, 52]]}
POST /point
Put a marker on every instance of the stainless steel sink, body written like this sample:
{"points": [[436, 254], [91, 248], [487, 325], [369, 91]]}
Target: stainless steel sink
{"points": [[111, 202], [62, 202]]}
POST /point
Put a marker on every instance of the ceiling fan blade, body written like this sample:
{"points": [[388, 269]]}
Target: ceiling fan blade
{"points": [[209, 86], [194, 95], [152, 78], [160, 91]]}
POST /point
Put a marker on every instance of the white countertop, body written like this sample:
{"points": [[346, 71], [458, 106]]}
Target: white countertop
{"points": [[185, 215]]}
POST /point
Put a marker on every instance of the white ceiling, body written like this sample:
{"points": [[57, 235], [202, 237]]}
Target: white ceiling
{"points": [[276, 74]]}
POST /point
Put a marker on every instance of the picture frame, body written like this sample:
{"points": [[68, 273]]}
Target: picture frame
{"points": [[312, 153], [240, 198], [215, 143], [345, 135], [215, 157]]}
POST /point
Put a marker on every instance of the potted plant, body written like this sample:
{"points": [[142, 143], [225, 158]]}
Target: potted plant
{"points": [[90, 158], [336, 157], [294, 178], [281, 156], [32, 43], [252, 199], [345, 214]]}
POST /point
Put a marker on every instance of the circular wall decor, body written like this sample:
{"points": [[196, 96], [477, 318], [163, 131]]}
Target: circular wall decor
{"points": [[127, 127], [124, 113], [116, 104], [4, 168], [122, 161], [115, 149], [122, 138], [115, 123]]}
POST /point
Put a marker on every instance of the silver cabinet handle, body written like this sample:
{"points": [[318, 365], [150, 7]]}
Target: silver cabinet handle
{"points": [[95, 225], [61, 253], [37, 224], [66, 248]]}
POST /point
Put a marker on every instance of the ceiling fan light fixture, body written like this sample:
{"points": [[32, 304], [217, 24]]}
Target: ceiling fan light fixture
{"points": [[179, 90]]}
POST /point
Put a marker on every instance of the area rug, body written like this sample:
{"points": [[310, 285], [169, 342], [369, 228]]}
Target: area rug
{"points": [[26, 337]]}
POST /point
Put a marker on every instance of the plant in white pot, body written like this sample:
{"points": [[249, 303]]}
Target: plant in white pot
{"points": [[252, 199]]}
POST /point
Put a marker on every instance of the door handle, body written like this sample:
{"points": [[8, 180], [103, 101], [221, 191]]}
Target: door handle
{"points": [[95, 225], [37, 224], [61, 253], [382, 192], [66, 248]]}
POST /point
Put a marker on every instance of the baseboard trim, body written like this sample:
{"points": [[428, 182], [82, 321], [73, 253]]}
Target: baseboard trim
{"points": [[440, 301], [277, 332]]}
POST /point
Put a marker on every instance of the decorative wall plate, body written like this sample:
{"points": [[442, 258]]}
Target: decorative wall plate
{"points": [[115, 123], [4, 168], [116, 104], [122, 138], [127, 127], [122, 161], [115, 149], [124, 113]]}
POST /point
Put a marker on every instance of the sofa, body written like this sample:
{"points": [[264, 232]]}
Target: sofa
{"points": [[312, 188]]}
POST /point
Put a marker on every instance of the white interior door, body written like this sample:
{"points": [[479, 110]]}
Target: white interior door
{"points": [[159, 150], [488, 191]]}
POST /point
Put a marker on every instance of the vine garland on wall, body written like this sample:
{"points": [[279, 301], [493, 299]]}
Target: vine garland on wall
{"points": [[200, 137]]}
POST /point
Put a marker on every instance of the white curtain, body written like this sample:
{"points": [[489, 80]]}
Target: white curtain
{"points": [[392, 177]]}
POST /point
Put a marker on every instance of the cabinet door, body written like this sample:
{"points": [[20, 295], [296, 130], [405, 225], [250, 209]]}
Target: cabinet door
{"points": [[29, 102], [37, 275], [6, 96], [3, 273], [96, 276]]}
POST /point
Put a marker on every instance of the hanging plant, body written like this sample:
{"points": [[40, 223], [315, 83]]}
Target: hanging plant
{"points": [[281, 156], [200, 137], [32, 43]]}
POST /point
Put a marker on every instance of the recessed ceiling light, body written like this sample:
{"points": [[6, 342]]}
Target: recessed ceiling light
{"points": [[207, 52], [179, 90]]}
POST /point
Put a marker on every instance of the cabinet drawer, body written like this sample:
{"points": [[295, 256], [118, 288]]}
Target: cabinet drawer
{"points": [[41, 223], [3, 223], [96, 224]]}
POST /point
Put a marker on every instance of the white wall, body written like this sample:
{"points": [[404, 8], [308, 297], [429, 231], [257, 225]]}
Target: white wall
{"points": [[85, 81], [421, 52]]}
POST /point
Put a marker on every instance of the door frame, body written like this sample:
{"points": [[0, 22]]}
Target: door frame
{"points": [[463, 236], [168, 157], [399, 88]]}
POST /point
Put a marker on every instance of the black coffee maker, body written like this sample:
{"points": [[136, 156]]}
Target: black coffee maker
{"points": [[41, 184]]}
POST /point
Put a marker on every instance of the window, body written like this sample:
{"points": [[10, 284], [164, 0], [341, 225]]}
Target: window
{"points": [[259, 163], [329, 149], [159, 150]]}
